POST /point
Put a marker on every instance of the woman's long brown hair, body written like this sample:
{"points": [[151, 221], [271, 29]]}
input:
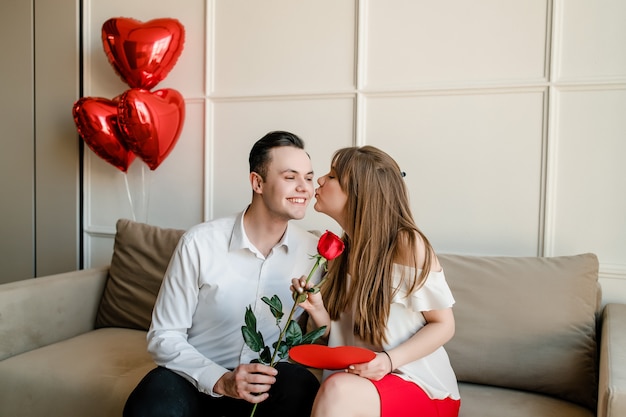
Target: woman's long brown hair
{"points": [[378, 220]]}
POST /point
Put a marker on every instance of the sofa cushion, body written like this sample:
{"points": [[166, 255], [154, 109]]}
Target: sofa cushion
{"points": [[88, 375], [526, 323], [486, 401], [141, 254]]}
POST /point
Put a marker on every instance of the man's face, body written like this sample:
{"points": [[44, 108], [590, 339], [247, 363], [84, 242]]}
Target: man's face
{"points": [[288, 185]]}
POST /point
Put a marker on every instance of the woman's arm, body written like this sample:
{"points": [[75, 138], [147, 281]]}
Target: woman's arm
{"points": [[438, 330]]}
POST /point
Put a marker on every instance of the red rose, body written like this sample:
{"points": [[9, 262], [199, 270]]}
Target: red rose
{"points": [[330, 245]]}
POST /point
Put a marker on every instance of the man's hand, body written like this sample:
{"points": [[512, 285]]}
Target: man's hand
{"points": [[249, 382]]}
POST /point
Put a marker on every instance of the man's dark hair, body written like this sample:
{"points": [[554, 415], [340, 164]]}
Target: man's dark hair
{"points": [[259, 158]]}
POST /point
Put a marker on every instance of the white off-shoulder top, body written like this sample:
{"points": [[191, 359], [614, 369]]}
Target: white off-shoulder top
{"points": [[433, 373]]}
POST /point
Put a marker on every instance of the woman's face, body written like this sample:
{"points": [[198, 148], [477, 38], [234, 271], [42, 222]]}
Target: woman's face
{"points": [[330, 198]]}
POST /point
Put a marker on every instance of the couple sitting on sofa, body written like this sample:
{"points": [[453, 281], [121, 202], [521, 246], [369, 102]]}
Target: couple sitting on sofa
{"points": [[399, 304]]}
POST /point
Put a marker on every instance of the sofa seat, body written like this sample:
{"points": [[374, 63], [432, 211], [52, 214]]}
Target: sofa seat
{"points": [[93, 372], [532, 338], [486, 401]]}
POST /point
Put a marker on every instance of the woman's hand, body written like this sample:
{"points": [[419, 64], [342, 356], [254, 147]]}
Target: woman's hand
{"points": [[375, 369], [312, 304], [313, 300]]}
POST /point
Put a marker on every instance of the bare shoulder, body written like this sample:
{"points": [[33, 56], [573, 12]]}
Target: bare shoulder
{"points": [[405, 252]]}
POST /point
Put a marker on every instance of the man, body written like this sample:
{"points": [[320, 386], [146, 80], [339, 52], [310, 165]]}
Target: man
{"points": [[218, 269]]}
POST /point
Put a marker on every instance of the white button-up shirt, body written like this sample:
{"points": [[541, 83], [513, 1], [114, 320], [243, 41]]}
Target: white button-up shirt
{"points": [[214, 274]]}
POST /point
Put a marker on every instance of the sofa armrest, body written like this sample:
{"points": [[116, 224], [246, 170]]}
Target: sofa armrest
{"points": [[612, 384], [39, 311]]}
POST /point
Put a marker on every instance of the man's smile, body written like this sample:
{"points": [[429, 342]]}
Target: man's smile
{"points": [[297, 200]]}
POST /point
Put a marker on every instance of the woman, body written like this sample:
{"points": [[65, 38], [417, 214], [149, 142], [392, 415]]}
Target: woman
{"points": [[386, 292]]}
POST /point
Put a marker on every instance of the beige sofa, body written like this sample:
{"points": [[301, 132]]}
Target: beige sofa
{"points": [[530, 341]]}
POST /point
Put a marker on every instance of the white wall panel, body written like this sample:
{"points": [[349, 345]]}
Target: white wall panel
{"points": [[283, 46], [590, 40], [473, 164], [613, 288], [419, 42], [98, 250], [454, 90], [589, 198], [325, 124], [105, 195]]}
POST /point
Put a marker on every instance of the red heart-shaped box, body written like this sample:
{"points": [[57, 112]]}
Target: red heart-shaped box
{"points": [[324, 357]]}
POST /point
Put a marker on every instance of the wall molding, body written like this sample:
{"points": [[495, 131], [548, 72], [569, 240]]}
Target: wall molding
{"points": [[613, 271]]}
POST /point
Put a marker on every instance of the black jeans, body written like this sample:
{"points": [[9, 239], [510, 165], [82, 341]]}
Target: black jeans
{"points": [[163, 393]]}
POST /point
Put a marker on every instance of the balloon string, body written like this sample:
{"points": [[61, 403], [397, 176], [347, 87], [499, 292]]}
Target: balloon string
{"points": [[146, 190], [130, 198]]}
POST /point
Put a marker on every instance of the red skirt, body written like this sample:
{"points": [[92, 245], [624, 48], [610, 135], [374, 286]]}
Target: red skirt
{"points": [[401, 398]]}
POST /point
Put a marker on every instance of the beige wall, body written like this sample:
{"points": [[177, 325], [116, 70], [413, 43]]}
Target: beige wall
{"points": [[506, 115], [39, 160], [16, 159]]}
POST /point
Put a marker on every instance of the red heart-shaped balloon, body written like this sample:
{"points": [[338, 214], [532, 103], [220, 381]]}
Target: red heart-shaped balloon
{"points": [[142, 53], [151, 122], [324, 357], [96, 122]]}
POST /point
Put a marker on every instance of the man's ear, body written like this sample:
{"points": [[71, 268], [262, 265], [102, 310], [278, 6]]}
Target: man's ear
{"points": [[256, 182]]}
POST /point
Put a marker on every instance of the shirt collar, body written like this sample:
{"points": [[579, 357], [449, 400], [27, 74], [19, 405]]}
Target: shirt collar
{"points": [[239, 239]]}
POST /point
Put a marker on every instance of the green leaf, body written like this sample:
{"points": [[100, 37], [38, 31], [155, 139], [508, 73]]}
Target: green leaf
{"points": [[250, 319], [266, 356], [283, 351], [313, 335], [323, 263], [293, 335], [276, 306], [253, 339]]}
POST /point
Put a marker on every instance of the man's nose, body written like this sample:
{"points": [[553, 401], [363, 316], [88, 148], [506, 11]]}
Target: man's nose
{"points": [[301, 184]]}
